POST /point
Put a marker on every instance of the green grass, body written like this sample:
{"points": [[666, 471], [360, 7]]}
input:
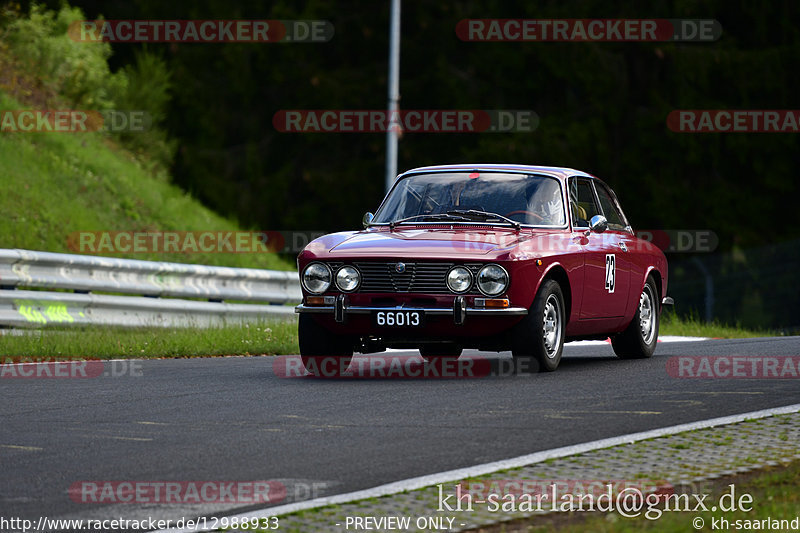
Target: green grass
{"points": [[273, 337], [692, 327], [776, 495], [53, 184]]}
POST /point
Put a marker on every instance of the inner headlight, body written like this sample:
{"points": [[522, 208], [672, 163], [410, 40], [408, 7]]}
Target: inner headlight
{"points": [[492, 280], [459, 279], [317, 278], [347, 278]]}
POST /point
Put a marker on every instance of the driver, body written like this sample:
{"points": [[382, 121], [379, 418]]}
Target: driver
{"points": [[546, 204]]}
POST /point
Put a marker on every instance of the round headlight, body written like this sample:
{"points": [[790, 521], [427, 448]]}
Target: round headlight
{"points": [[317, 278], [347, 278], [492, 280], [459, 279]]}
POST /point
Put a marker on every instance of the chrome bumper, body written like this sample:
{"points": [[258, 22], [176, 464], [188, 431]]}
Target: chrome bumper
{"points": [[459, 311], [667, 300]]}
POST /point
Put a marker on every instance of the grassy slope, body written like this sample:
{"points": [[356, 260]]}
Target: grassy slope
{"points": [[53, 184]]}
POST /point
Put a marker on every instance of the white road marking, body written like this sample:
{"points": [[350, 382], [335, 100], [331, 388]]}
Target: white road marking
{"points": [[662, 339], [487, 468], [678, 338], [26, 448], [135, 439]]}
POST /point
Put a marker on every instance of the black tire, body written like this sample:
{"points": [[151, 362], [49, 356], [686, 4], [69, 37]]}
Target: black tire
{"points": [[539, 337], [639, 339], [323, 353], [449, 350]]}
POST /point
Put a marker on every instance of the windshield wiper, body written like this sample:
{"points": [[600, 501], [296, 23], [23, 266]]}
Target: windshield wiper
{"points": [[486, 215], [434, 216]]}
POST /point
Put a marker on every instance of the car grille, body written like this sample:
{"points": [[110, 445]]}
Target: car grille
{"points": [[417, 278]]}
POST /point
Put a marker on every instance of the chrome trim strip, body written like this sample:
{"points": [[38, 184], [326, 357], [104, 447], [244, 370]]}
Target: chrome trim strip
{"points": [[427, 310]]}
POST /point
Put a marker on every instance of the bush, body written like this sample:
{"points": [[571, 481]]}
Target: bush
{"points": [[79, 73], [148, 89]]}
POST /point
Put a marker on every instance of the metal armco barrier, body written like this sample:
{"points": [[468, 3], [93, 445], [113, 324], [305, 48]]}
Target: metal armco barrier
{"points": [[153, 292]]}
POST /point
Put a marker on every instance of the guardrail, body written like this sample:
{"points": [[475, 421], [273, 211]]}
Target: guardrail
{"points": [[153, 293]]}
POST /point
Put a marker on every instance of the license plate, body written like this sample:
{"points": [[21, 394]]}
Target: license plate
{"points": [[398, 319]]}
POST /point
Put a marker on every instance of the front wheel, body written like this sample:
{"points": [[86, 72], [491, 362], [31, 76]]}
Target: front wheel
{"points": [[540, 335], [323, 353], [639, 339]]}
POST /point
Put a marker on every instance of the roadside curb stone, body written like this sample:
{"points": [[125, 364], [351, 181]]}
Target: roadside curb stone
{"points": [[682, 461]]}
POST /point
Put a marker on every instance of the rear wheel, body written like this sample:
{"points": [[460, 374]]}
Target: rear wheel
{"points": [[639, 340], [323, 353], [539, 337]]}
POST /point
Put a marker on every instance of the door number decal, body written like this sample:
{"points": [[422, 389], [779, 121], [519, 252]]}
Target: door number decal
{"points": [[611, 272]]}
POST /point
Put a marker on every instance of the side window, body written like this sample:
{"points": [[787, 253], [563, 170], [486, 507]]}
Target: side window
{"points": [[583, 202], [610, 210]]}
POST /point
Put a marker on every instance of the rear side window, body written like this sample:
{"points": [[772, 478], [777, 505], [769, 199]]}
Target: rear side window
{"points": [[610, 210]]}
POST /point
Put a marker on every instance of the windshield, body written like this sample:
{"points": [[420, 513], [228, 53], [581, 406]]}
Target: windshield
{"points": [[475, 196]]}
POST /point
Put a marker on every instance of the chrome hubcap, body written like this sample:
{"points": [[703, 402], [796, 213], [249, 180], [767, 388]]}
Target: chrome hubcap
{"points": [[551, 328], [646, 318]]}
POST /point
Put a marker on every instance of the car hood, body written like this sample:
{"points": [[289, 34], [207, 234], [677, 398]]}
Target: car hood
{"points": [[428, 242]]}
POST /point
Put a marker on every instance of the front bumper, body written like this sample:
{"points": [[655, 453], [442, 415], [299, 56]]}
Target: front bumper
{"points": [[459, 311]]}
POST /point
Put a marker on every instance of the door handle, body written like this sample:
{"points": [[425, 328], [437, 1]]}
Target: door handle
{"points": [[623, 246]]}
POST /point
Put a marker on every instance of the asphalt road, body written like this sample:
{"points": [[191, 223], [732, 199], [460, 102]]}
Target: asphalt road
{"points": [[234, 419]]}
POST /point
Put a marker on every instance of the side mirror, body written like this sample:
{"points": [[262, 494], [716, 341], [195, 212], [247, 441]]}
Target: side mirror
{"points": [[598, 224], [367, 220]]}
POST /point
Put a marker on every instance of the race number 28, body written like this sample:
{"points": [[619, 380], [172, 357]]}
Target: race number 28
{"points": [[611, 272]]}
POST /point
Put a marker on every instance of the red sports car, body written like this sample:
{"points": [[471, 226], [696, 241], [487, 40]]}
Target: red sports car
{"points": [[491, 257]]}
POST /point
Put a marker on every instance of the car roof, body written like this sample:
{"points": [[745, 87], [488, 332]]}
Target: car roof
{"points": [[560, 172]]}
